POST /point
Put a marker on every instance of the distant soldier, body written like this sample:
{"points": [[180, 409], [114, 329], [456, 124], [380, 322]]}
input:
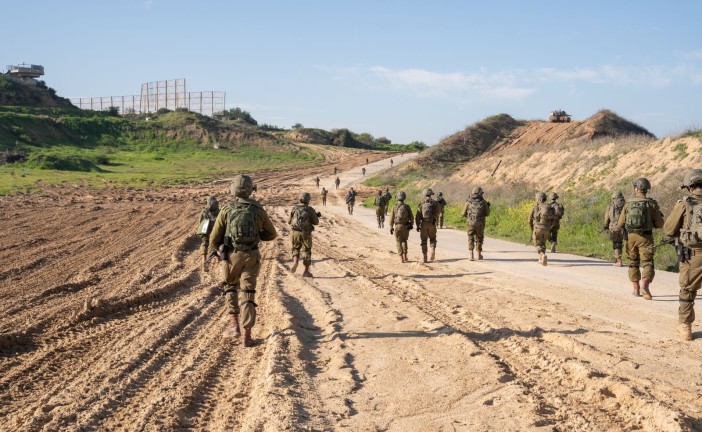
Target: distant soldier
{"points": [[302, 219], [324, 196], [611, 217], [391, 162], [541, 221], [475, 211], [558, 211], [425, 219], [363, 171], [350, 200], [639, 217], [442, 204], [337, 182], [401, 218], [380, 205], [205, 224], [316, 181], [237, 232], [388, 196], [366, 161], [335, 170], [685, 224]]}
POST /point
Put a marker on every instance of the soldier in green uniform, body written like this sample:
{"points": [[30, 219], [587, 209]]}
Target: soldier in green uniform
{"points": [[441, 202], [425, 220], [685, 224], [363, 171], [541, 220], [475, 211], [401, 218], [350, 200], [316, 181], [611, 217], [388, 196], [324, 196], [337, 182], [208, 214], [558, 211], [239, 228], [639, 217], [380, 205], [303, 219]]}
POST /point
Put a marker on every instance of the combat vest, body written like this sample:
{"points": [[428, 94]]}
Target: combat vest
{"points": [[691, 231], [615, 210], [380, 201], [557, 210], [544, 216], [428, 210], [207, 218], [403, 214], [350, 197], [242, 229], [476, 211], [301, 219], [638, 216]]}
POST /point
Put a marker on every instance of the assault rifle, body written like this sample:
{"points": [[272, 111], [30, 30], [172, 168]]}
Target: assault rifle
{"points": [[684, 254], [222, 253]]}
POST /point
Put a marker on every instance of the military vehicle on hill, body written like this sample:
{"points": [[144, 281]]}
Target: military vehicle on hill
{"points": [[559, 116]]}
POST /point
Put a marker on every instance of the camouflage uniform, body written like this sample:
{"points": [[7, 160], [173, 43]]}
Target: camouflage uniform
{"points": [[639, 246], [559, 211], [388, 196], [381, 209], [427, 227], [540, 226], [337, 182], [363, 171], [240, 269], [475, 211], [324, 196], [302, 236], [350, 200], [442, 204], [401, 218], [611, 218], [208, 213]]}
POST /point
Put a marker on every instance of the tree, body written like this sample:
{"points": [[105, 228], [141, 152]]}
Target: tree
{"points": [[239, 114], [297, 126], [383, 140], [113, 111]]}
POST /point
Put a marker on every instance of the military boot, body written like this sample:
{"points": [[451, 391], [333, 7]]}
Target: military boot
{"points": [[247, 341], [234, 330], [617, 262], [480, 255], [472, 257], [296, 259], [684, 331], [432, 255], [307, 273], [405, 255], [425, 257], [644, 287], [636, 290], [543, 260], [553, 247]]}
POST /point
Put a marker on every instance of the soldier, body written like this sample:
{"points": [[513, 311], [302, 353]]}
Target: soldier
{"points": [[324, 196], [208, 214], [401, 218], [475, 211], [381, 204], [388, 196], [425, 219], [303, 218], [442, 204], [335, 170], [685, 224], [350, 200], [316, 181], [391, 162], [239, 228], [611, 217], [541, 221], [559, 211], [366, 161], [639, 217], [363, 171], [337, 182]]}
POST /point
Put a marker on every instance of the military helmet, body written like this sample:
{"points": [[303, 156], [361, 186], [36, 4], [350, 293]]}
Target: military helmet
{"points": [[692, 177], [428, 192], [553, 196], [212, 202], [618, 195], [380, 192], [242, 186], [477, 191], [305, 198], [642, 183], [540, 197], [441, 194], [401, 196]]}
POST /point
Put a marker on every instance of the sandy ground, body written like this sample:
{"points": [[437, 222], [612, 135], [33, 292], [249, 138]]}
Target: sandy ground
{"points": [[109, 323]]}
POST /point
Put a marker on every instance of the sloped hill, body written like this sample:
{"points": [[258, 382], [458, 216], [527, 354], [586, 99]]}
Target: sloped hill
{"points": [[16, 94]]}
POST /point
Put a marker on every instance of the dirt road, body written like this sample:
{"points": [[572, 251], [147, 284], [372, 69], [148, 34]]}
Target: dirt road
{"points": [[110, 324]]}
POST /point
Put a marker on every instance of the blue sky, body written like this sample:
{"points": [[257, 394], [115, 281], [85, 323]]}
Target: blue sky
{"points": [[407, 70]]}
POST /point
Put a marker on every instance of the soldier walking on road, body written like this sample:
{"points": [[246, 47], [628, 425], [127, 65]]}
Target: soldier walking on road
{"points": [[366, 161], [363, 171], [350, 200], [685, 225], [391, 162], [388, 196], [337, 182], [442, 205], [335, 170], [324, 196], [205, 225], [559, 211], [639, 217], [611, 217], [302, 219], [237, 232], [401, 219], [380, 205], [425, 219], [475, 211], [316, 181], [541, 221]]}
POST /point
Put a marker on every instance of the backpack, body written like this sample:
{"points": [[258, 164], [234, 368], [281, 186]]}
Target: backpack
{"points": [[638, 217], [427, 209], [241, 226], [476, 212], [350, 197], [691, 233], [301, 219], [558, 210], [615, 210], [545, 215], [402, 214], [380, 201]]}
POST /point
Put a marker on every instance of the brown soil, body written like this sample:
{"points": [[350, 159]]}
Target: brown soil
{"points": [[110, 323]]}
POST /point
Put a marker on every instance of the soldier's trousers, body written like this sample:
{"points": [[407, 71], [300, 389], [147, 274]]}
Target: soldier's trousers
{"points": [[350, 208], [427, 232], [401, 236], [204, 247], [639, 250], [441, 219], [617, 238], [476, 235], [240, 272], [302, 246], [324, 200], [380, 215], [690, 279], [553, 234], [540, 238]]}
